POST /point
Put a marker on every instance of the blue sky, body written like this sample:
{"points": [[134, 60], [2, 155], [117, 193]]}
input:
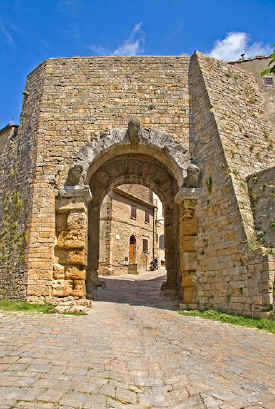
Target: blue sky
{"points": [[33, 30]]}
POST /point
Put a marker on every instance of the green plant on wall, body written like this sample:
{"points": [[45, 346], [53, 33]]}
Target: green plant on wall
{"points": [[253, 243], [11, 235], [253, 199], [209, 184], [12, 206], [271, 68]]}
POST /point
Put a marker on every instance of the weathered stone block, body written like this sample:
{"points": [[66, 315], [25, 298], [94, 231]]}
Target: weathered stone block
{"points": [[79, 288], [65, 205], [38, 289], [58, 271], [188, 243], [76, 220], [70, 239], [71, 257], [62, 288], [61, 222], [189, 260], [75, 273]]}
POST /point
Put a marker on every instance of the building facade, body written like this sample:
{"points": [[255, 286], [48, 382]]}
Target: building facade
{"points": [[129, 231]]}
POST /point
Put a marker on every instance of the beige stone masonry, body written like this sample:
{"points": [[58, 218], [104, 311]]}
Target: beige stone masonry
{"points": [[187, 199], [73, 139], [71, 242]]}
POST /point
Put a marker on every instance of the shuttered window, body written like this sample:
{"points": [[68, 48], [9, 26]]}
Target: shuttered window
{"points": [[268, 81], [147, 216], [161, 241], [145, 246], [133, 212]]}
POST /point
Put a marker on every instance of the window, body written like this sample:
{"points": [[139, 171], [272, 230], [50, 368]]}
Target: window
{"points": [[145, 245], [147, 216], [133, 212], [161, 242], [268, 81]]}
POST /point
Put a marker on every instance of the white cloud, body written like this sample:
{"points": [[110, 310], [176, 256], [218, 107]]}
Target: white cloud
{"points": [[99, 50], [6, 33], [235, 44], [132, 46]]}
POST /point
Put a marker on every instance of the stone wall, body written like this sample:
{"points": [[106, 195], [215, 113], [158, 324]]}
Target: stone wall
{"points": [[18, 166], [70, 106], [139, 191], [229, 139], [262, 195], [85, 96], [256, 66], [69, 270], [12, 221], [80, 98]]}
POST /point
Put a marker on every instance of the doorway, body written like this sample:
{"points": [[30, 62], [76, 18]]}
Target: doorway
{"points": [[132, 250]]}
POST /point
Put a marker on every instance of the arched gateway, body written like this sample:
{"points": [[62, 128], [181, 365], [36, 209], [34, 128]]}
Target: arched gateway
{"points": [[60, 162], [123, 156]]}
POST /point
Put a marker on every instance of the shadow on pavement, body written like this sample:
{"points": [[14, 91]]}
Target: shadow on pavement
{"points": [[143, 290]]}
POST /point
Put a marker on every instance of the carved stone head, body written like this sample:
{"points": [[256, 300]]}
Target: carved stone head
{"points": [[192, 178], [74, 175], [134, 131]]}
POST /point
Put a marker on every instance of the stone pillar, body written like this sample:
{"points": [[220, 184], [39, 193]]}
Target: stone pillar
{"points": [[71, 242], [93, 248], [187, 199], [170, 229]]}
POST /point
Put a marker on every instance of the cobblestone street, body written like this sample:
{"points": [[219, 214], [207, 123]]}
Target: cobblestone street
{"points": [[133, 351]]}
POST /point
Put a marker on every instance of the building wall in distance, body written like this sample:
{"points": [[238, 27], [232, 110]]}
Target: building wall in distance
{"points": [[256, 66], [117, 226], [139, 191]]}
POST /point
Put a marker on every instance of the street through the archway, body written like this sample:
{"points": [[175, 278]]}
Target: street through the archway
{"points": [[133, 351]]}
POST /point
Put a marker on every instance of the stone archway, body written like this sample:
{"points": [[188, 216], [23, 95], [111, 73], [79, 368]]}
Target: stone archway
{"points": [[123, 156], [137, 169]]}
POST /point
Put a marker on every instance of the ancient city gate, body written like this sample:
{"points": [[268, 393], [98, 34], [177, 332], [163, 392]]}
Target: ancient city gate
{"points": [[68, 153], [123, 156]]}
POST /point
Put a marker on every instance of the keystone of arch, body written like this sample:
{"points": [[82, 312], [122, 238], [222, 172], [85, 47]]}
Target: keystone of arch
{"points": [[155, 143]]}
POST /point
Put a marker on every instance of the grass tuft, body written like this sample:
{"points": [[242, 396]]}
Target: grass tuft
{"points": [[265, 324], [14, 305]]}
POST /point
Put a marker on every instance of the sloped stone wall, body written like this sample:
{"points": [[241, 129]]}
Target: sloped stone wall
{"points": [[262, 195], [229, 139]]}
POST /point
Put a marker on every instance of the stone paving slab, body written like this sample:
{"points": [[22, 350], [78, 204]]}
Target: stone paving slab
{"points": [[133, 351]]}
